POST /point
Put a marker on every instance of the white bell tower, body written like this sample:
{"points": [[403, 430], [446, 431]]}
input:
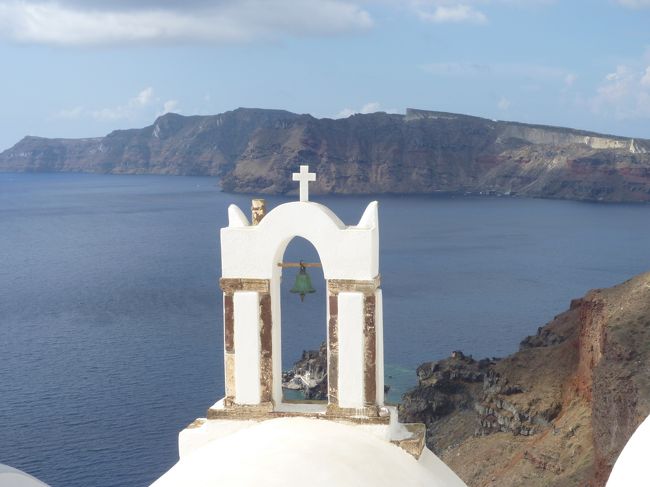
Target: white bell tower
{"points": [[250, 254], [251, 437], [251, 261]]}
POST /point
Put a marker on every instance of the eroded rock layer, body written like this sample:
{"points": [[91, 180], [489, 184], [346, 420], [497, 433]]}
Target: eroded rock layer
{"points": [[255, 150]]}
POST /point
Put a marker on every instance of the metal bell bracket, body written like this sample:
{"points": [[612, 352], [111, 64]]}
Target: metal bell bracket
{"points": [[303, 285], [300, 264]]}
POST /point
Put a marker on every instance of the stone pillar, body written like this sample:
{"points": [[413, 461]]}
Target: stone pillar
{"points": [[333, 350], [266, 349], [247, 321], [369, 351], [354, 304], [258, 210]]}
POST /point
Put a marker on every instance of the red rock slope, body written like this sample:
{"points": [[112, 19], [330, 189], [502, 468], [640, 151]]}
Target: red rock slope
{"points": [[559, 411]]}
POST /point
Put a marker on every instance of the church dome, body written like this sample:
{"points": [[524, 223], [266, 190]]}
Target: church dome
{"points": [[300, 451], [632, 464], [12, 477]]}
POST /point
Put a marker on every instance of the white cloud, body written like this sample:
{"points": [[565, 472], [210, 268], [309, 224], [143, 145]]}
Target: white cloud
{"points": [[635, 3], [624, 93], [143, 104], [128, 110], [144, 97], [370, 107], [70, 113], [452, 13], [170, 106], [645, 79], [503, 104], [220, 22], [458, 11]]}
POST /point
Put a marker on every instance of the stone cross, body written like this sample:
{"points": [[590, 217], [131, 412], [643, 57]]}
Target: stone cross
{"points": [[304, 176]]}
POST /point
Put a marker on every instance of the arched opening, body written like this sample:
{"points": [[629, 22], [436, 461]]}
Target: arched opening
{"points": [[303, 328]]}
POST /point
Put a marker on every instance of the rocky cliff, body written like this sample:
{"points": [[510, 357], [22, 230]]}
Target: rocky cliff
{"points": [[255, 150], [559, 411], [309, 374]]}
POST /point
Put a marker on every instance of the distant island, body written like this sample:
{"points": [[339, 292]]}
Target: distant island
{"points": [[421, 152]]}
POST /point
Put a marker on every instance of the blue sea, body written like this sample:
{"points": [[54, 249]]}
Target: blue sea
{"points": [[110, 309]]}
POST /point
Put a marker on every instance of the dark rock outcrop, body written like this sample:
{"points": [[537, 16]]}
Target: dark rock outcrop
{"points": [[559, 411], [309, 374], [255, 150]]}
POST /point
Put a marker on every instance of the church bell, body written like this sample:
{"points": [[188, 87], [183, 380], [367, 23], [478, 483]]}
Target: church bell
{"points": [[302, 285]]}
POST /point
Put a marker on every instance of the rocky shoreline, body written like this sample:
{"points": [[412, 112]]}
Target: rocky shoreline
{"points": [[309, 374]]}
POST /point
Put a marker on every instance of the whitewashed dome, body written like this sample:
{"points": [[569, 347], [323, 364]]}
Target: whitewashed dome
{"points": [[301, 451], [631, 467], [12, 477]]}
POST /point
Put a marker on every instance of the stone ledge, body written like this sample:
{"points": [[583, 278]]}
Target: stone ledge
{"points": [[263, 413], [335, 286], [230, 285], [414, 444]]}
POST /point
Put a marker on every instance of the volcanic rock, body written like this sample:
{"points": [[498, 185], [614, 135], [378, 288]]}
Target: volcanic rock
{"points": [[309, 374], [559, 411], [255, 150]]}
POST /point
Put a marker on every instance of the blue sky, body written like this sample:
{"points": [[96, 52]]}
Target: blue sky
{"points": [[75, 68]]}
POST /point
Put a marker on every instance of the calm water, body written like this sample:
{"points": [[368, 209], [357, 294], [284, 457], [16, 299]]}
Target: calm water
{"points": [[110, 311]]}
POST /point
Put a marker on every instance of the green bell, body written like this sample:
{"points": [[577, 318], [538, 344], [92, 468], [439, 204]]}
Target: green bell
{"points": [[302, 285]]}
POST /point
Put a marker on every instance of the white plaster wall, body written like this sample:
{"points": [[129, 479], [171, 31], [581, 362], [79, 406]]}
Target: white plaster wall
{"points": [[350, 252], [379, 327], [351, 348], [247, 347], [195, 437]]}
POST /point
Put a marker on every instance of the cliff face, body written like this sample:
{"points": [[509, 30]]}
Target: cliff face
{"points": [[559, 411], [255, 150]]}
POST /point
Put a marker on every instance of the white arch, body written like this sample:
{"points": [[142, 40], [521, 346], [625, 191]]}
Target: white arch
{"points": [[346, 252]]}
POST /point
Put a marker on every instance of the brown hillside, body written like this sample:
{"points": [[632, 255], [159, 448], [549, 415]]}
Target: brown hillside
{"points": [[556, 413]]}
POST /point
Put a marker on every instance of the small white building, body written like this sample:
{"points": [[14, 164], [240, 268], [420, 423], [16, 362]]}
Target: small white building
{"points": [[252, 436]]}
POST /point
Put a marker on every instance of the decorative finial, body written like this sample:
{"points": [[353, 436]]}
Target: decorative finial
{"points": [[304, 176]]}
